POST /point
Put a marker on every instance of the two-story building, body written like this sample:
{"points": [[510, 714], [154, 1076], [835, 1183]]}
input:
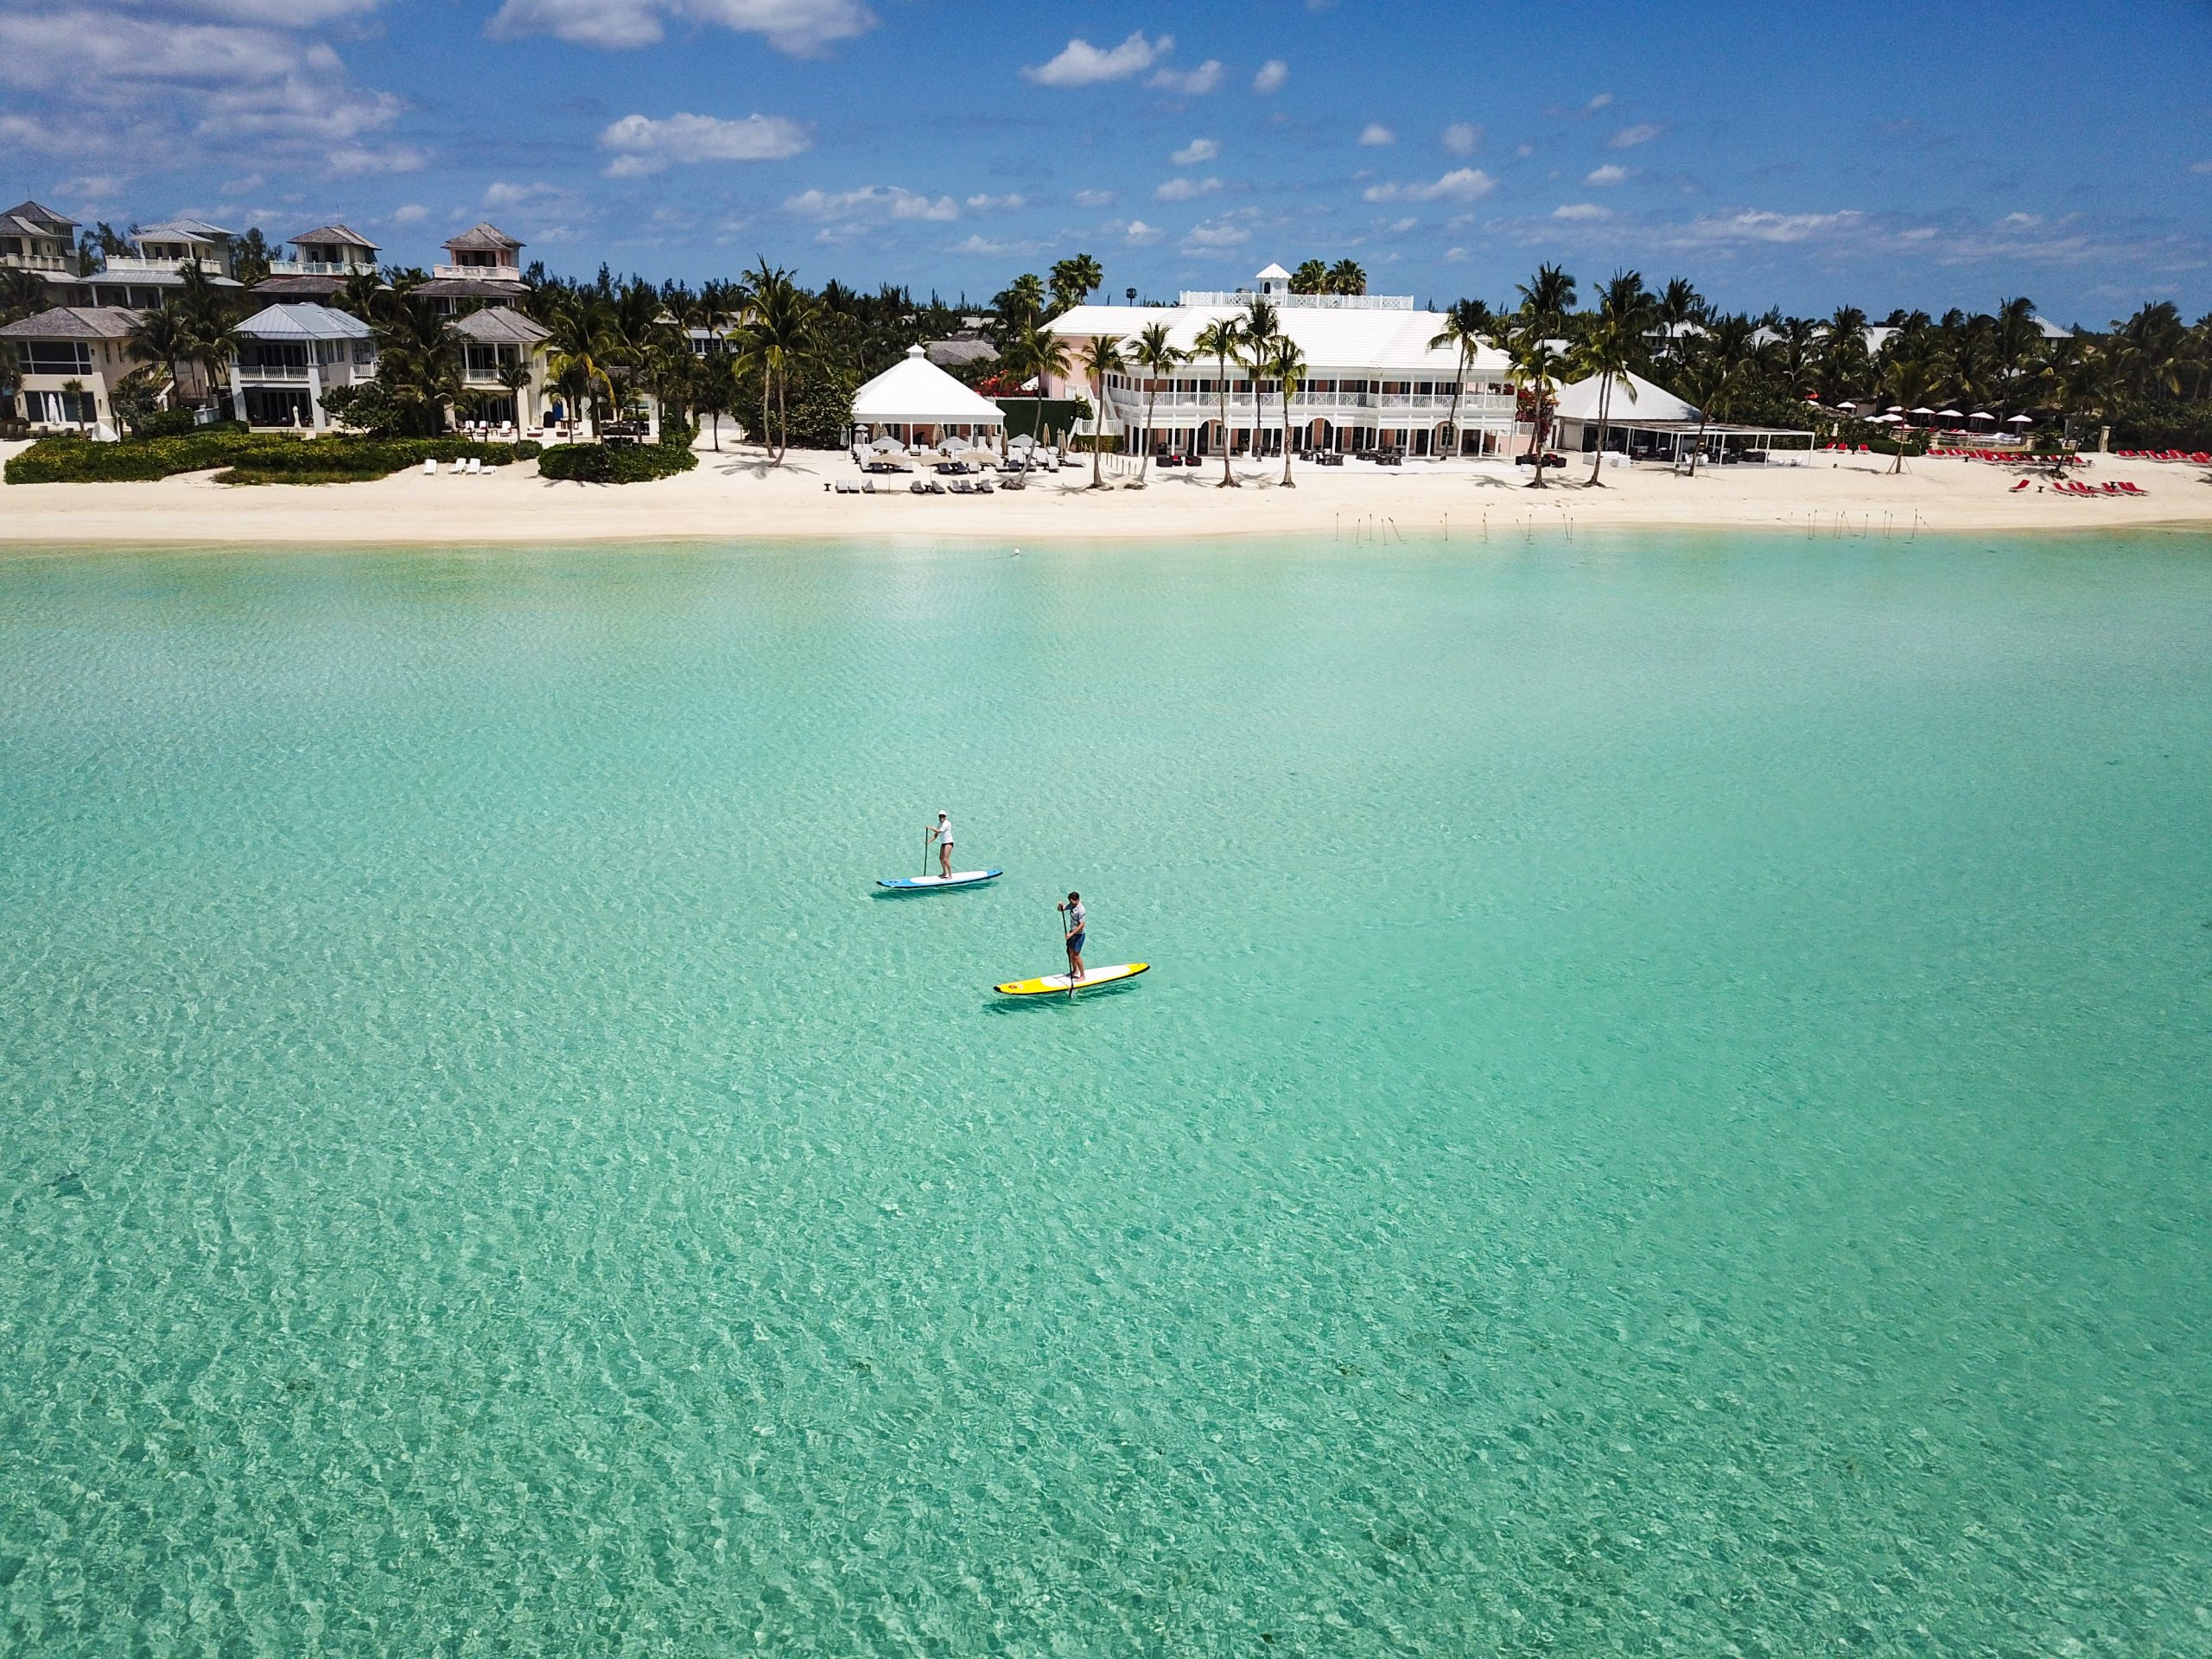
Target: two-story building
{"points": [[483, 269], [1373, 381], [142, 280], [321, 261], [43, 242], [288, 356], [73, 358], [494, 343]]}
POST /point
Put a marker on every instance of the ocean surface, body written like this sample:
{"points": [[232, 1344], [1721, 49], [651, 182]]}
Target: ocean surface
{"points": [[1671, 1115]]}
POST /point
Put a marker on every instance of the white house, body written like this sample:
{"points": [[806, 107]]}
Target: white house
{"points": [[72, 356], [288, 356], [1372, 379], [145, 279], [40, 240], [492, 341], [321, 261], [483, 268]]}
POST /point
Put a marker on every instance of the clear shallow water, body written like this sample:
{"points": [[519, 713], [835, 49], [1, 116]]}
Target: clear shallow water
{"points": [[1671, 1112]]}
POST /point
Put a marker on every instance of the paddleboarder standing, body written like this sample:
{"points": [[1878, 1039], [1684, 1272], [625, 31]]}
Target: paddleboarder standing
{"points": [[941, 833], [1074, 918]]}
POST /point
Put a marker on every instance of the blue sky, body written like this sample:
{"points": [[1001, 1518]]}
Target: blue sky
{"points": [[1890, 156]]}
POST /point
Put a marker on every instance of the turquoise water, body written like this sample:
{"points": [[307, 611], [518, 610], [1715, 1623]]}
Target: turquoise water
{"points": [[1670, 1117]]}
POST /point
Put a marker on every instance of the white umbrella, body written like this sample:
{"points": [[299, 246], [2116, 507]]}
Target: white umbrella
{"points": [[1847, 404], [1892, 420], [1948, 415], [2019, 420], [1981, 415], [1022, 440], [1897, 409], [1923, 411], [887, 446]]}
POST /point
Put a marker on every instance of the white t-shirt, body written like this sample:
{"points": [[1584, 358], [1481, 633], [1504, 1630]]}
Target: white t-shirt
{"points": [[944, 831], [1077, 919]]}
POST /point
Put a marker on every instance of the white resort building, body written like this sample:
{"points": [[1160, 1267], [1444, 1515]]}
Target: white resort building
{"points": [[1372, 379], [72, 359], [321, 261], [915, 403]]}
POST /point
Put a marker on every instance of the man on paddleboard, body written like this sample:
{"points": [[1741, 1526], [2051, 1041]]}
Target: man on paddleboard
{"points": [[941, 833], [1076, 917]]}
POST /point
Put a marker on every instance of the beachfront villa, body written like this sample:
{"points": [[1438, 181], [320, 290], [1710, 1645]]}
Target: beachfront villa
{"points": [[40, 240], [1373, 380], [73, 358], [288, 356], [485, 268], [494, 343], [916, 404], [321, 261]]}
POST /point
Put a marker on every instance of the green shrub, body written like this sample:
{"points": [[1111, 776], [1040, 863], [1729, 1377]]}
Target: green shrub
{"points": [[244, 458], [598, 463]]}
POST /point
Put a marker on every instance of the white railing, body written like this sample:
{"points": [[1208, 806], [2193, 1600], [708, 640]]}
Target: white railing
{"points": [[318, 267], [1298, 301], [253, 373], [38, 262], [1321, 405], [480, 273], [132, 264]]}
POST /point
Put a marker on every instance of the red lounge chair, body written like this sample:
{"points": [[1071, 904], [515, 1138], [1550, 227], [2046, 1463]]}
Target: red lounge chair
{"points": [[2134, 489], [2017, 488]]}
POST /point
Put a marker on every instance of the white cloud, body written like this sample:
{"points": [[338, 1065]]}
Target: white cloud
{"points": [[275, 13], [994, 248], [997, 204], [1186, 189], [1609, 174], [1598, 102], [1375, 134], [1271, 77], [1756, 226], [1137, 233], [1582, 209], [643, 145], [1198, 149], [1629, 138], [500, 194], [1192, 83], [1461, 184], [872, 201], [392, 158], [412, 212], [1455, 256], [1461, 137], [1214, 235], [1082, 64], [1524, 151], [2202, 167], [1094, 198], [799, 27]]}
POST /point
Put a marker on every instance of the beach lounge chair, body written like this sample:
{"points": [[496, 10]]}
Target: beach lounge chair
{"points": [[2133, 489], [917, 487], [430, 467], [2017, 488]]}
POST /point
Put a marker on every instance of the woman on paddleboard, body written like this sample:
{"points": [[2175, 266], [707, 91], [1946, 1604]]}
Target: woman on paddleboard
{"points": [[1076, 917]]}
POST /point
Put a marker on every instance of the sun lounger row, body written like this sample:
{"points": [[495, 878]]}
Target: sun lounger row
{"points": [[467, 467], [2195, 458], [919, 486], [2068, 487]]}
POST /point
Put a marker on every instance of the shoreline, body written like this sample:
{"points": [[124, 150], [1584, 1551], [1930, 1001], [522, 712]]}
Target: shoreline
{"points": [[734, 496]]}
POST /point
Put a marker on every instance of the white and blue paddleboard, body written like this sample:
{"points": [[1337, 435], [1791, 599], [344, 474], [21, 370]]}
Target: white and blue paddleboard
{"points": [[921, 883]]}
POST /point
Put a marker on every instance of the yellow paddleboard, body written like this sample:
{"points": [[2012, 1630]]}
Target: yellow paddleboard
{"points": [[1060, 982]]}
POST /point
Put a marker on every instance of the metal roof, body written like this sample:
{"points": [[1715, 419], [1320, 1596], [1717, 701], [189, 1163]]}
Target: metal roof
{"points": [[187, 230], [1393, 344], [334, 233], [482, 236], [303, 322], [500, 325], [44, 216]]}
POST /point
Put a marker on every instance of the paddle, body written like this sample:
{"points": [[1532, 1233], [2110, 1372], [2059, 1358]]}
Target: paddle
{"points": [[1062, 909], [925, 852]]}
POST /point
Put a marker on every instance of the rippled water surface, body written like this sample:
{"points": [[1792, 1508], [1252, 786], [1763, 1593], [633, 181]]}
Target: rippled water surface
{"points": [[1671, 1115]]}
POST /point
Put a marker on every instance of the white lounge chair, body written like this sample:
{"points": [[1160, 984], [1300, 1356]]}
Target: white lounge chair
{"points": [[430, 467]]}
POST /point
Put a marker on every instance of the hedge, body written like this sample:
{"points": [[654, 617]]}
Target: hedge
{"points": [[245, 458], [628, 463]]}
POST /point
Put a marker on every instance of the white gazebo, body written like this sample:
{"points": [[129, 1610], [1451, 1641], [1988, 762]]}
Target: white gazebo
{"points": [[918, 402]]}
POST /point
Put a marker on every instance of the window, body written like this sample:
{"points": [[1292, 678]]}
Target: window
{"points": [[57, 357]]}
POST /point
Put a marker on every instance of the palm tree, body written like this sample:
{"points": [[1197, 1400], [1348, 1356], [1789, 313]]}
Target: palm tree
{"points": [[1538, 365], [162, 335], [75, 391], [1908, 381], [1613, 346], [1020, 301], [1220, 339], [22, 294], [1466, 328], [1844, 362], [515, 377], [1074, 279], [419, 361], [1100, 358], [1347, 276], [714, 391], [1255, 332], [784, 329], [1034, 353], [1156, 358], [1548, 297], [1312, 276], [579, 350], [1285, 365]]}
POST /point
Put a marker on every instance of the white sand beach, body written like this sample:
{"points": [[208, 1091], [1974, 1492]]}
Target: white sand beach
{"points": [[735, 494]]}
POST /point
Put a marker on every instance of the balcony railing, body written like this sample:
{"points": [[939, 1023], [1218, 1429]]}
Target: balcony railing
{"points": [[261, 373], [1319, 405], [318, 267], [480, 273], [132, 264], [38, 262], [1299, 302]]}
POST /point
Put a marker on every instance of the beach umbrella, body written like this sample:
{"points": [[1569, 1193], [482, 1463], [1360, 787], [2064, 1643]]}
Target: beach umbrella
{"points": [[1897, 409], [1923, 411], [886, 445], [1981, 415], [2019, 420], [1847, 404], [1948, 415]]}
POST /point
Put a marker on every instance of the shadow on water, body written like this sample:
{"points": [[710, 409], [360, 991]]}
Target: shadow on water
{"points": [[1058, 999], [896, 893]]}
